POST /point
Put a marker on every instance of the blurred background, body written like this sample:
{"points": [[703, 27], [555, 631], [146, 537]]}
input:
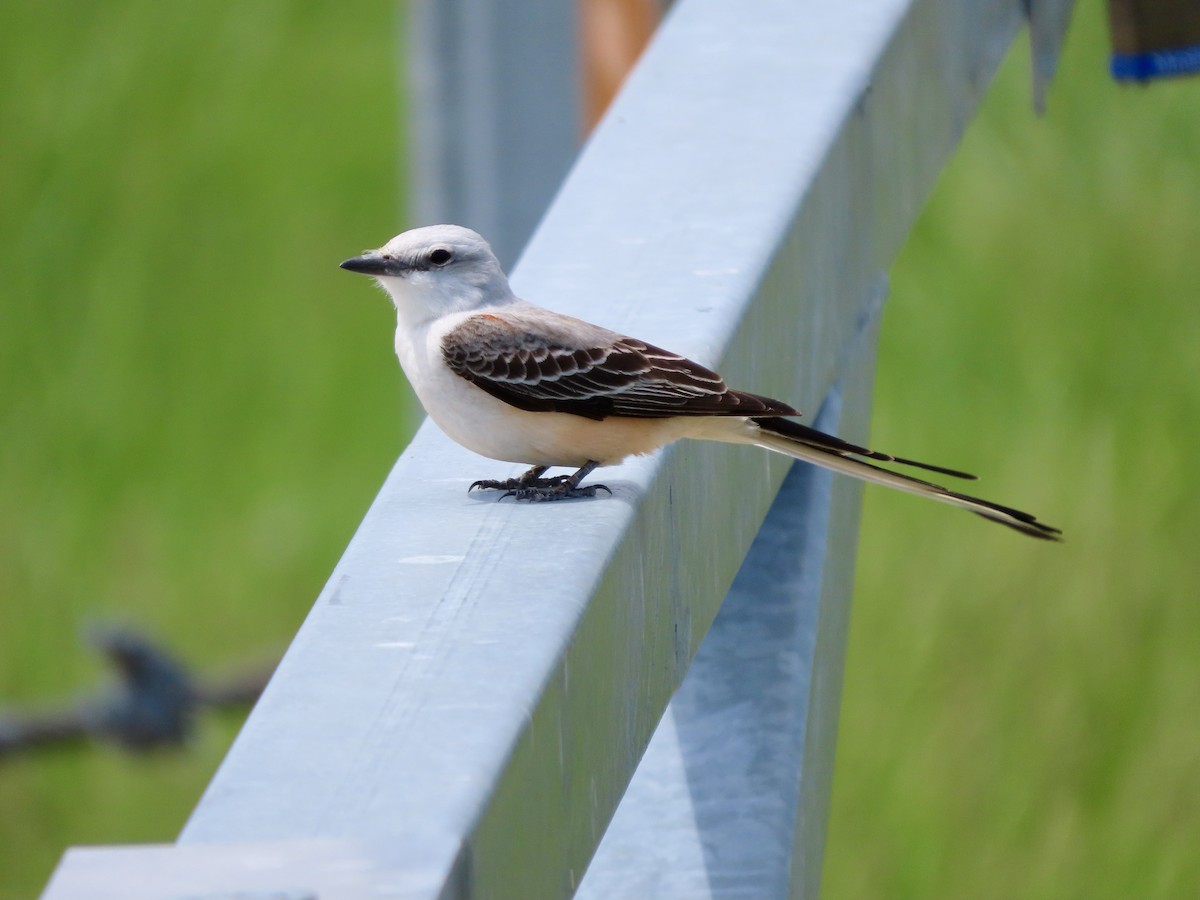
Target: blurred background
{"points": [[197, 407]]}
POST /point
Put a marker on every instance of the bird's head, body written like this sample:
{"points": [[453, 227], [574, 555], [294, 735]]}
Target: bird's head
{"points": [[435, 270]]}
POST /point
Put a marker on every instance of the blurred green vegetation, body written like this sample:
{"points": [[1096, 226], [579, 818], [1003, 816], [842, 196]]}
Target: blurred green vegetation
{"points": [[1022, 720], [196, 409], [196, 405]]}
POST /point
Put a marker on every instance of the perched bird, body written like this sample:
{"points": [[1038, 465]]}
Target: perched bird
{"points": [[519, 383]]}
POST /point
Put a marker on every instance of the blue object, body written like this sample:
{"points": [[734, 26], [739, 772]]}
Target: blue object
{"points": [[1155, 64]]}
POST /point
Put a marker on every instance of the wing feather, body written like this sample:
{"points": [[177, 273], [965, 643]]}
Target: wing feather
{"points": [[542, 361]]}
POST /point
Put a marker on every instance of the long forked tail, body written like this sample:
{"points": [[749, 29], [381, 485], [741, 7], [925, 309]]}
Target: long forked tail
{"points": [[809, 444]]}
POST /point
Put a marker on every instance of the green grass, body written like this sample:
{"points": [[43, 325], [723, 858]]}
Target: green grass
{"points": [[1022, 720], [196, 408], [196, 405]]}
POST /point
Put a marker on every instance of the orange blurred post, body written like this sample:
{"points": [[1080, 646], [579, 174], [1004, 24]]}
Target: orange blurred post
{"points": [[615, 32]]}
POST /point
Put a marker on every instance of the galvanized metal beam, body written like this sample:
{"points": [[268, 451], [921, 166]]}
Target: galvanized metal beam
{"points": [[468, 700]]}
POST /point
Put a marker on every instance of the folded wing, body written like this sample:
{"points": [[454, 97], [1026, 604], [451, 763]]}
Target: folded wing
{"points": [[543, 361]]}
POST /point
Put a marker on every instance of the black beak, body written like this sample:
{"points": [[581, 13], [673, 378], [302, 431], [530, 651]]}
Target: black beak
{"points": [[373, 263]]}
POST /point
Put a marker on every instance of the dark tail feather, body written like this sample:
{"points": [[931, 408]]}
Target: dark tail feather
{"points": [[1033, 528], [822, 441], [822, 449]]}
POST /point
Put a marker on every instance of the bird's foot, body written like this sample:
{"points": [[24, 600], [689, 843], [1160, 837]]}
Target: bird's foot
{"points": [[531, 478], [533, 487], [508, 484], [561, 489]]}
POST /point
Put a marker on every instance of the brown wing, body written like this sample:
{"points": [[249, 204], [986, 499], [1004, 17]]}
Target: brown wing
{"points": [[543, 361]]}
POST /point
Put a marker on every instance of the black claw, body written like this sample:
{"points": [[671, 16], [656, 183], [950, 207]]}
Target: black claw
{"points": [[532, 487], [511, 484], [559, 490]]}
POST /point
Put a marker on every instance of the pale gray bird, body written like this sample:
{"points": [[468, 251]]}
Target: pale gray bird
{"points": [[519, 383]]}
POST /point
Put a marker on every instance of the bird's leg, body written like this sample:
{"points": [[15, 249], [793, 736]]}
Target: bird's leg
{"points": [[565, 487], [532, 478]]}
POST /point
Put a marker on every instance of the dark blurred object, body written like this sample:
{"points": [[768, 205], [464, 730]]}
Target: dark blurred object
{"points": [[1048, 21], [154, 703], [1154, 38]]}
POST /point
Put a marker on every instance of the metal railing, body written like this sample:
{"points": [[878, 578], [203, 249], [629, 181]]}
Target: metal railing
{"points": [[464, 711]]}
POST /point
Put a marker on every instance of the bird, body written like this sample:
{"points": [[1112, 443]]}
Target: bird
{"points": [[520, 383]]}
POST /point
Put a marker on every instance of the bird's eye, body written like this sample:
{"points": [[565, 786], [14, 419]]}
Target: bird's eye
{"points": [[440, 256]]}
